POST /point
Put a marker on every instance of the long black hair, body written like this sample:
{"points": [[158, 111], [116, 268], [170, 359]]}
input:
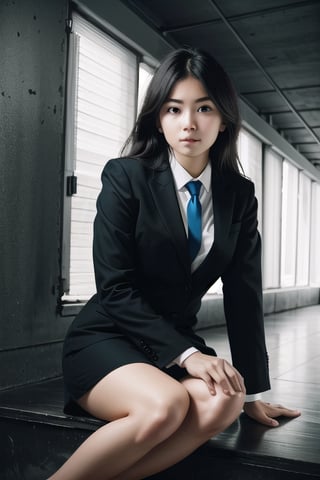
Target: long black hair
{"points": [[145, 140]]}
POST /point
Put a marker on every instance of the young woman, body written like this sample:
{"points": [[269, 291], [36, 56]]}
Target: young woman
{"points": [[132, 357]]}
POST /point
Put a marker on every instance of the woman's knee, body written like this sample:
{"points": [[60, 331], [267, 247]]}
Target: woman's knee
{"points": [[213, 413], [222, 412], [162, 414]]}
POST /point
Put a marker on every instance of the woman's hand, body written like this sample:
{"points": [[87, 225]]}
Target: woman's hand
{"points": [[214, 371], [266, 413]]}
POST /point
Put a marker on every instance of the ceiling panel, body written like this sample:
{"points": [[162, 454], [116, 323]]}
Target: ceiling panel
{"points": [[287, 119], [297, 135], [286, 43], [266, 101], [304, 96], [247, 7], [167, 14], [270, 49], [312, 156], [317, 131], [310, 148], [312, 117]]}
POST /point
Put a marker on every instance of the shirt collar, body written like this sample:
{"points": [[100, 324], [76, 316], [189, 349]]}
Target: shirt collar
{"points": [[181, 176]]}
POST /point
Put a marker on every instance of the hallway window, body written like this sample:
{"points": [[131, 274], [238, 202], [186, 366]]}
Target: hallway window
{"points": [[272, 178], [289, 213], [250, 154], [304, 224], [315, 236], [145, 75], [102, 93]]}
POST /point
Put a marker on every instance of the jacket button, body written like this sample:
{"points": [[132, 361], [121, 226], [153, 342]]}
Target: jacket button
{"points": [[155, 357]]}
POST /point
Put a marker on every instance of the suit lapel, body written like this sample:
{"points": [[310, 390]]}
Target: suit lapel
{"points": [[165, 198], [223, 197]]}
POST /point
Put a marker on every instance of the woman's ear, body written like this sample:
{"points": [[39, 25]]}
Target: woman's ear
{"points": [[160, 129], [222, 128]]}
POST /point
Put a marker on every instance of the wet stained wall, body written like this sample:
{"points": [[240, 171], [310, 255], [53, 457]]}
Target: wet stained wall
{"points": [[32, 83]]}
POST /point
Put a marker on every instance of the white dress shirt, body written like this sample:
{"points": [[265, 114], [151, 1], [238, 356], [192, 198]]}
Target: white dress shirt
{"points": [[181, 177]]}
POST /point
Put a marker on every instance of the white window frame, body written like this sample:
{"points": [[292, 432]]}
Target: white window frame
{"points": [[304, 230], [315, 236], [272, 204], [289, 224], [251, 158], [71, 305]]}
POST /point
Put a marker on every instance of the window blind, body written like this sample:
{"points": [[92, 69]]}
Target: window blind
{"points": [[104, 78], [289, 216], [272, 185], [304, 227], [250, 154], [315, 236]]}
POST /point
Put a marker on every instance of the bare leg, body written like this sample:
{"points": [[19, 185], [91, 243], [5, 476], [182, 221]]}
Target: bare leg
{"points": [[144, 406], [208, 415]]}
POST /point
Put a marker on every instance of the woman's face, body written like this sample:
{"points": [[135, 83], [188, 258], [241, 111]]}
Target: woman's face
{"points": [[190, 122]]}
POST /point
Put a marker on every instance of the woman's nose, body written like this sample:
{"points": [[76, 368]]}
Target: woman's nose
{"points": [[188, 121]]}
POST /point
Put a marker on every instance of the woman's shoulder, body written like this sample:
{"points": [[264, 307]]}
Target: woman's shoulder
{"points": [[122, 167], [131, 164], [134, 167], [126, 163], [238, 181], [242, 181]]}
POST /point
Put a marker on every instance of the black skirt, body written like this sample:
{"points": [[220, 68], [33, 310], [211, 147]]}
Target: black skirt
{"points": [[84, 368]]}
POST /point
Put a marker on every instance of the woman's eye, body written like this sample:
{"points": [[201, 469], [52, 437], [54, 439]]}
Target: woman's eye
{"points": [[173, 110], [205, 108]]}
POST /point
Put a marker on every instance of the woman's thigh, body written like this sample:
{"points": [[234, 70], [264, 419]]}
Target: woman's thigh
{"points": [[137, 387]]}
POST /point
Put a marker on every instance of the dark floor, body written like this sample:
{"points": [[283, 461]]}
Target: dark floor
{"points": [[293, 339]]}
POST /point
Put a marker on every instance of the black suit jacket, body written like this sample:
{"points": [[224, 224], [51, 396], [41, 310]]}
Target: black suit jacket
{"points": [[145, 289]]}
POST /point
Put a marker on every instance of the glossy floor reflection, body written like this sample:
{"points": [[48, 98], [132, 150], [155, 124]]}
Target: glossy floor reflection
{"points": [[293, 341]]}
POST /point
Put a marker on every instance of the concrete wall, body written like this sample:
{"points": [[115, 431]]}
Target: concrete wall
{"points": [[274, 300], [32, 84]]}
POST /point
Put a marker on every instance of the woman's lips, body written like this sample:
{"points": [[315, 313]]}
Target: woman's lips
{"points": [[189, 140]]}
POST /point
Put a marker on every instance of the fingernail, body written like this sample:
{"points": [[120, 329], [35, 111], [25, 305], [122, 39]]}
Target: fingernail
{"points": [[274, 423]]}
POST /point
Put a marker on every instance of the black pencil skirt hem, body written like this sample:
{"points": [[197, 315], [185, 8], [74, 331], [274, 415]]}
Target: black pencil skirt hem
{"points": [[86, 367]]}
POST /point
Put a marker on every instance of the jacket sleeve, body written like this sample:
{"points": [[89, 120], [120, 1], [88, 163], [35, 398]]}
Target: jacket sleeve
{"points": [[242, 289], [117, 270]]}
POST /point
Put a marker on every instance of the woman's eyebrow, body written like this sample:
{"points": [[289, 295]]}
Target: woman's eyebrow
{"points": [[198, 100]]}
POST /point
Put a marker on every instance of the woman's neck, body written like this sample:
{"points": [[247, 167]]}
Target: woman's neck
{"points": [[194, 166]]}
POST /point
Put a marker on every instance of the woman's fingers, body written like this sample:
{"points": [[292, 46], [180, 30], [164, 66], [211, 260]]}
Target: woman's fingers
{"points": [[235, 378], [256, 411], [266, 413], [276, 410], [228, 377], [210, 383], [214, 370]]}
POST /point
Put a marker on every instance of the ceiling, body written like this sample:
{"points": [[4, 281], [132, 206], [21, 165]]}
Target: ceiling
{"points": [[270, 48]]}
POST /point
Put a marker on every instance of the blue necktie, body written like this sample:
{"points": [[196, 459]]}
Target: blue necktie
{"points": [[194, 218]]}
